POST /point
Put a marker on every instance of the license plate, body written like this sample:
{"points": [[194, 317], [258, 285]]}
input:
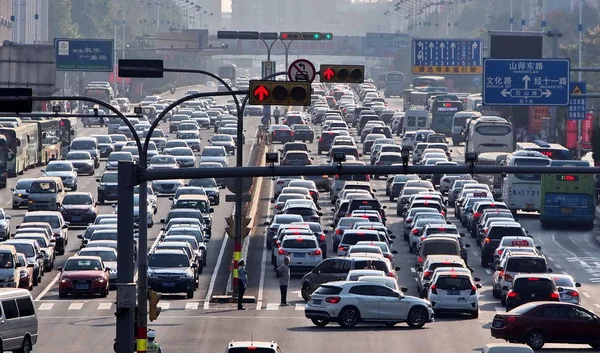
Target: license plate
{"points": [[566, 210], [82, 286], [168, 284], [316, 301], [75, 219], [453, 292], [299, 254], [112, 194], [497, 323]]}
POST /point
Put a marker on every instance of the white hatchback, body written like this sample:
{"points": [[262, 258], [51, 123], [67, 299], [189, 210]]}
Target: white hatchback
{"points": [[454, 291]]}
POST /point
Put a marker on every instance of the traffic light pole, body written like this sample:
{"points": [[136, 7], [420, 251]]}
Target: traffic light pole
{"points": [[287, 51]]}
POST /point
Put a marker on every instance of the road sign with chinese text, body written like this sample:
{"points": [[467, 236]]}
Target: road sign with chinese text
{"points": [[526, 82], [576, 108], [447, 56], [84, 54]]}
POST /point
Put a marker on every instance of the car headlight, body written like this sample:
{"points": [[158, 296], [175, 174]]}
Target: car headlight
{"points": [[90, 211], [99, 279], [65, 280], [113, 271], [24, 273], [152, 275], [101, 187], [189, 275]]}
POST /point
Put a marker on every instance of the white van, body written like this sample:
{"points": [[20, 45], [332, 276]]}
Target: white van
{"points": [[19, 329], [415, 119]]}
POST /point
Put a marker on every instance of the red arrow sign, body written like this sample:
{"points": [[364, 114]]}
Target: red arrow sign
{"points": [[261, 93], [329, 73]]}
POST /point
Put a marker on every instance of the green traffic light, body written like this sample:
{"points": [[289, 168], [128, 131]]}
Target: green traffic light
{"points": [[328, 36], [316, 35]]}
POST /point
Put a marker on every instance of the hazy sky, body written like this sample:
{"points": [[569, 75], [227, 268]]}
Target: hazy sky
{"points": [[226, 5]]}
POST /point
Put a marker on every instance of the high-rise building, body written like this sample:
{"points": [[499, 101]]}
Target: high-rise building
{"points": [[31, 21], [5, 22]]}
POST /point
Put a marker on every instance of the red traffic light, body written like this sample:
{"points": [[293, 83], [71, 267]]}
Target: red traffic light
{"points": [[260, 93], [328, 73], [284, 36]]}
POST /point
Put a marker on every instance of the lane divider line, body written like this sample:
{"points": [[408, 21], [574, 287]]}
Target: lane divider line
{"points": [[48, 287]]}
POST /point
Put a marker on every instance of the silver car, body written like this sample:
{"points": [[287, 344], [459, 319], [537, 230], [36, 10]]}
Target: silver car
{"points": [[215, 154], [303, 250], [567, 288], [63, 170], [20, 192]]}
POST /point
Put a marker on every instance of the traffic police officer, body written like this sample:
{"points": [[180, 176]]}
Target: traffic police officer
{"points": [[152, 346]]}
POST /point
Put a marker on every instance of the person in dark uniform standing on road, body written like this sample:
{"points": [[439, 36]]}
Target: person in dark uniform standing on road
{"points": [[276, 115], [242, 284]]}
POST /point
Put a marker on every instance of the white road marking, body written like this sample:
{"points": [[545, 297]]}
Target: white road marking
{"points": [[164, 306], [49, 306], [213, 279], [104, 306], [300, 307], [273, 306], [298, 293], [489, 272], [192, 306], [500, 309], [413, 270], [586, 295], [263, 263], [48, 287], [597, 306], [557, 266], [549, 258], [75, 306], [475, 253]]}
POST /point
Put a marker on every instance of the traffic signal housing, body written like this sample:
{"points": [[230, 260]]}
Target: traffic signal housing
{"points": [[305, 36], [280, 93], [153, 309], [342, 73], [290, 35]]}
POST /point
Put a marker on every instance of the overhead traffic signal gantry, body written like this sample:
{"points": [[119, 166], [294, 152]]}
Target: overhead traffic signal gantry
{"points": [[279, 93], [305, 36], [247, 35], [342, 73]]}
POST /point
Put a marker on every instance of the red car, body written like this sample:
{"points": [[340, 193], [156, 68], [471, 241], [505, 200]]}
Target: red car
{"points": [[83, 275], [538, 323], [25, 269]]}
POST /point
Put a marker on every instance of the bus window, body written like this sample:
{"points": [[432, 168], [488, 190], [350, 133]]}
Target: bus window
{"points": [[493, 130]]}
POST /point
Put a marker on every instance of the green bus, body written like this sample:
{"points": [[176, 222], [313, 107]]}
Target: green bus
{"points": [[22, 148], [568, 198], [3, 162], [442, 115], [49, 139], [68, 130]]}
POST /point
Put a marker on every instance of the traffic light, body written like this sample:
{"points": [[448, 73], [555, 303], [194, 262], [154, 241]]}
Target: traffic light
{"points": [[153, 309], [289, 35], [279, 93], [342, 73], [305, 36], [227, 35]]}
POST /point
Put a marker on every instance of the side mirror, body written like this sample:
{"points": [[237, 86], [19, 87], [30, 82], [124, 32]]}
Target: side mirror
{"points": [[560, 289], [325, 231], [392, 236], [397, 268], [194, 265], [505, 288], [394, 252], [211, 210], [59, 268], [538, 247], [97, 180], [54, 240], [96, 203], [320, 214], [272, 200], [462, 234], [332, 209], [577, 284], [43, 170], [384, 207], [403, 289], [332, 225], [550, 270], [12, 189], [163, 221], [66, 225], [478, 286], [266, 224], [40, 256], [476, 279], [499, 268], [106, 269], [467, 246], [171, 198], [374, 190], [80, 236]]}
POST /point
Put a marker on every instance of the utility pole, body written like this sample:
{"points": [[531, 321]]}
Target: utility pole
{"points": [[554, 35], [580, 30]]}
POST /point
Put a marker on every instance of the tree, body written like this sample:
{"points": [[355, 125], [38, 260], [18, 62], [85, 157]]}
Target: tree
{"points": [[61, 25]]}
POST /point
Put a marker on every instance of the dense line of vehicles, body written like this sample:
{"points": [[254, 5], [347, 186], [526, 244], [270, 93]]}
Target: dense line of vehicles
{"points": [[357, 281]]}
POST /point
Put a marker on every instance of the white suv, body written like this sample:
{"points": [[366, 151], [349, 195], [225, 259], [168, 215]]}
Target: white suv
{"points": [[348, 303], [454, 291]]}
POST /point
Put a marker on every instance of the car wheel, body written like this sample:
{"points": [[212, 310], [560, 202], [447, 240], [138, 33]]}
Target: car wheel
{"points": [[306, 291], [535, 340], [26, 346], [36, 279], [200, 269], [268, 244], [495, 293], [320, 322], [105, 293], [190, 294], [475, 314], [483, 262], [417, 317], [349, 317], [62, 295], [101, 201]]}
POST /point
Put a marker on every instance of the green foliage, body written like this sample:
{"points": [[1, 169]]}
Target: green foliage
{"points": [[61, 24]]}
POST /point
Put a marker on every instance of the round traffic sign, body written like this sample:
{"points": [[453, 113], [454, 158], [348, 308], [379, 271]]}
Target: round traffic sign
{"points": [[246, 184], [302, 70]]}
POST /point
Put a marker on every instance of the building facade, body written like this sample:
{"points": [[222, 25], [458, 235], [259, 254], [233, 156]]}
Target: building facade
{"points": [[31, 21], [5, 22]]}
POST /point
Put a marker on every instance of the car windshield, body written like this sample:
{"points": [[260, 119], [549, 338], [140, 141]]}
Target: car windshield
{"points": [[115, 157], [188, 135], [118, 138], [59, 167], [173, 144], [40, 240], [526, 265], [453, 283], [77, 199], [168, 260], [110, 178], [43, 187], [182, 152], [564, 282], [103, 138], [52, 220], [83, 145], [162, 160], [25, 249], [222, 138], [207, 182], [23, 184], [200, 205], [105, 255], [82, 265], [299, 243], [214, 152], [71, 156]]}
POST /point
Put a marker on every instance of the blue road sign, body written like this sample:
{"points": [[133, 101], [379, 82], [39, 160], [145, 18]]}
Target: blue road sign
{"points": [[447, 56], [526, 82], [84, 54], [386, 40], [576, 110]]}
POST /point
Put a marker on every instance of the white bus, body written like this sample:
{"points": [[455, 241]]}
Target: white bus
{"points": [[489, 134], [522, 191], [553, 151], [494, 181], [473, 101]]}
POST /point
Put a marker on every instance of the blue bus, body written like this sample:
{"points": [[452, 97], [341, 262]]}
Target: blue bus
{"points": [[568, 199], [394, 84]]}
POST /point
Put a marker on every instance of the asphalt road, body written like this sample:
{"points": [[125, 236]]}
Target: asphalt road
{"points": [[76, 324], [192, 326]]}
